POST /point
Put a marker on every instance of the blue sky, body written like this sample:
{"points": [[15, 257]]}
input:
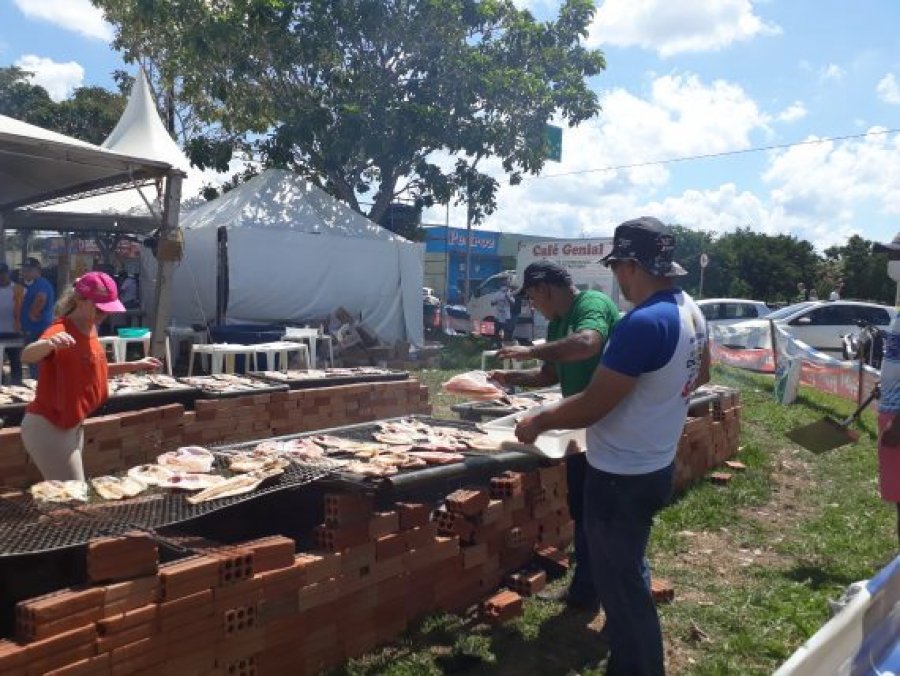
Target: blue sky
{"points": [[683, 78]]}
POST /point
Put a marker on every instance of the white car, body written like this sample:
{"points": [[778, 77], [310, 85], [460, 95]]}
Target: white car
{"points": [[819, 324], [726, 311]]}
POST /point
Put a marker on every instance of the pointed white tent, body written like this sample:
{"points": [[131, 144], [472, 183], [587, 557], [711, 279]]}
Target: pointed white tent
{"points": [[296, 253], [140, 133]]}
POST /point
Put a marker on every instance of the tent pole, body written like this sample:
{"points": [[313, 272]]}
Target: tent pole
{"points": [[221, 274], [2, 240], [167, 255]]}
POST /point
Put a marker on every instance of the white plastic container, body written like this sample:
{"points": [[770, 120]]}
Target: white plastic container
{"points": [[553, 444]]}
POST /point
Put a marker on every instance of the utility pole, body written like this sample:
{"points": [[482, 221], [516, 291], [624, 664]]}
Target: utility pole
{"points": [[468, 240], [704, 261]]}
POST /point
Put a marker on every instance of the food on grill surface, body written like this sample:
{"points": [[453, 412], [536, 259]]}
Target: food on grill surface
{"points": [[150, 474], [339, 444], [236, 485], [187, 459], [117, 488], [223, 383], [474, 384], [133, 383], [16, 394], [293, 449], [438, 457], [254, 461], [321, 374], [60, 491], [369, 469], [192, 481]]}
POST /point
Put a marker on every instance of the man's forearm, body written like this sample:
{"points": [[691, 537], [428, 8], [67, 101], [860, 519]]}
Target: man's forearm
{"points": [[576, 347], [532, 378]]}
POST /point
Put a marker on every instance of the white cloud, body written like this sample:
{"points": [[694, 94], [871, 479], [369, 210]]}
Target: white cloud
{"points": [[831, 72], [682, 116], [888, 90], [676, 27], [834, 180], [795, 111], [74, 15], [59, 79]]}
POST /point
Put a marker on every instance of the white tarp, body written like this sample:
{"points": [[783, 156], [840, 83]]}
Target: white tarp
{"points": [[295, 253]]}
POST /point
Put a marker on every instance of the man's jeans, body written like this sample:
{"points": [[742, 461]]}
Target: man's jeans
{"points": [[14, 354], [618, 515], [30, 337], [581, 589]]}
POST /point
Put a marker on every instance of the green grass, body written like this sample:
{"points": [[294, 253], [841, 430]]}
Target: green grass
{"points": [[753, 563]]}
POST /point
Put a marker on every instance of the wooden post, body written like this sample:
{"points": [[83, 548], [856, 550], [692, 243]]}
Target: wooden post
{"points": [[169, 235]]}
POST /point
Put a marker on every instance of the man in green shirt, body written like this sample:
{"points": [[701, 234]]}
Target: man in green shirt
{"points": [[580, 323]]}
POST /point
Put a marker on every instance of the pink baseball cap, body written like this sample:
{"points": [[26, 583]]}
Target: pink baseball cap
{"points": [[101, 289]]}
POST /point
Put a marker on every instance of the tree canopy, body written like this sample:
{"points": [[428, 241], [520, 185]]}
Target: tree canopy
{"points": [[747, 264], [90, 114], [371, 99]]}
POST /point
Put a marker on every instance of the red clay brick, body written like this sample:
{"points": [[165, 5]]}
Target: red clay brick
{"points": [[144, 615], [662, 590], [383, 523], [347, 509], [413, 514], [503, 607], [720, 478], [468, 502]]}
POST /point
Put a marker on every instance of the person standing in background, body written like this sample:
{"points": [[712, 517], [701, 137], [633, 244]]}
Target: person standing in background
{"points": [[837, 291], [889, 404], [10, 327], [37, 305]]}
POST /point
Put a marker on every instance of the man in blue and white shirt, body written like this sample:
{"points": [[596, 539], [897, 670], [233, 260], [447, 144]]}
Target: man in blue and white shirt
{"points": [[634, 410]]}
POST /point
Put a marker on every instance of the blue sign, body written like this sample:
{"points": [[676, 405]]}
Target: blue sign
{"points": [[441, 239]]}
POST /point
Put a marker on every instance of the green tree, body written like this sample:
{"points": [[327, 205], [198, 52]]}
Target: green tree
{"points": [[90, 114], [747, 264], [689, 244], [864, 272], [362, 96]]}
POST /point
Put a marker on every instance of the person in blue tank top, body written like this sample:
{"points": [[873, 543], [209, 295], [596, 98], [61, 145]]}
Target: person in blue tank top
{"points": [[37, 305], [655, 357]]}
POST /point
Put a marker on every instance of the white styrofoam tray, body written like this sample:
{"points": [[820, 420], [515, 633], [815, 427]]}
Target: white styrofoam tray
{"points": [[552, 444]]}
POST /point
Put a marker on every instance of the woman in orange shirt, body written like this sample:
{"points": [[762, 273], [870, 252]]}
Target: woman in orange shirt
{"points": [[72, 382]]}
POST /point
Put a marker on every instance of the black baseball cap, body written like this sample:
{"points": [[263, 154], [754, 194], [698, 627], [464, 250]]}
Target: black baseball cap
{"points": [[31, 263], [646, 241], [544, 272]]}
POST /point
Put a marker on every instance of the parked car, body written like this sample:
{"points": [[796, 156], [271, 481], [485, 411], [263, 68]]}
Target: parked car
{"points": [[819, 324], [725, 311]]}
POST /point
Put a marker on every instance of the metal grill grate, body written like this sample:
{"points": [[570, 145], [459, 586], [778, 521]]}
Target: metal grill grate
{"points": [[359, 432], [27, 527], [171, 507]]}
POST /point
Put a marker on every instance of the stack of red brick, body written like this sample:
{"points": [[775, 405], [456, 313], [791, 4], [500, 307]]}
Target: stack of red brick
{"points": [[711, 436], [113, 443], [260, 608]]}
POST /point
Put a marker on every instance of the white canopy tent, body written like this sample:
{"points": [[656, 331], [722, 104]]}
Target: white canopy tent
{"points": [[37, 166], [296, 253], [139, 132]]}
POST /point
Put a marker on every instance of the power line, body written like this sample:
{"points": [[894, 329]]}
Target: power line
{"points": [[780, 146]]}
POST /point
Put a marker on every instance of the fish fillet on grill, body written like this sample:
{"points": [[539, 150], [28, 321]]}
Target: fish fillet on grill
{"points": [[150, 474], [302, 449], [253, 461], [187, 459], [369, 469], [60, 491], [236, 485], [117, 488], [192, 481]]}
